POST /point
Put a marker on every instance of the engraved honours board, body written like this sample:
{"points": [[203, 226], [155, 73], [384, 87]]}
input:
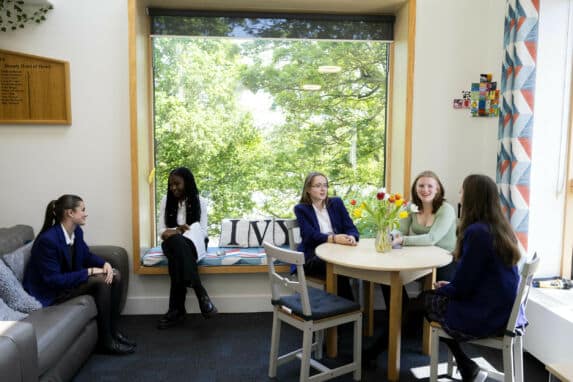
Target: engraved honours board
{"points": [[34, 90]]}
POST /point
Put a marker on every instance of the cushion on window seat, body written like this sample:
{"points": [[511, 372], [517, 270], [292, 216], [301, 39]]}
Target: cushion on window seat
{"points": [[215, 256]]}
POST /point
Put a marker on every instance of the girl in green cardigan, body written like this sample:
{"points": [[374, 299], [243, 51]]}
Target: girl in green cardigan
{"points": [[434, 224]]}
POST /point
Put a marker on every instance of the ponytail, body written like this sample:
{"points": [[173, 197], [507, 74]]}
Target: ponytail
{"points": [[50, 216], [56, 208]]}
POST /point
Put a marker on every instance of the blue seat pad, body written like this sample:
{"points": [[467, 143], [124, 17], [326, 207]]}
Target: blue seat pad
{"points": [[215, 256], [322, 304]]}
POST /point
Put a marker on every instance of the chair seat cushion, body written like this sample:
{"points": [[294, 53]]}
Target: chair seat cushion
{"points": [[322, 304]]}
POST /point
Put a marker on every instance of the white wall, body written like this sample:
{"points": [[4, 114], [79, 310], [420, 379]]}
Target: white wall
{"points": [[90, 157], [456, 41]]}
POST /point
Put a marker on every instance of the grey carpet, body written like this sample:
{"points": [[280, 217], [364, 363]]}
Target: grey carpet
{"points": [[234, 347]]}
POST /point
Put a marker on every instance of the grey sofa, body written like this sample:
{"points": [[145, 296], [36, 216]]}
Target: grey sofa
{"points": [[52, 343]]}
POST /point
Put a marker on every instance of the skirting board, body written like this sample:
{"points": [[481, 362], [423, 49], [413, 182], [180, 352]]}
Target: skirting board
{"points": [[225, 304]]}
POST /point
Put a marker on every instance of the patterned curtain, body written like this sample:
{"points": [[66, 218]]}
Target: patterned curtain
{"points": [[516, 117]]}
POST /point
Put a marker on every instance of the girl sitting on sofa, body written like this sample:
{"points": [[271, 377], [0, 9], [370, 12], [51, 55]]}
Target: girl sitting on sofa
{"points": [[61, 267]]}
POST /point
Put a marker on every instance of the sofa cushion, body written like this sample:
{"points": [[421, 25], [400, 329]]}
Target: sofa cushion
{"points": [[14, 237], [9, 314], [253, 232], [13, 294], [234, 233], [58, 326], [18, 259]]}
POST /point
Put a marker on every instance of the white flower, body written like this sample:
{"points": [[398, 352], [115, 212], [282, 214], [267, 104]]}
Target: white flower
{"points": [[414, 208]]}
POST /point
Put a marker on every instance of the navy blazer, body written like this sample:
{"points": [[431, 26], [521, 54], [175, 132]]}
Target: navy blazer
{"points": [[49, 272], [483, 289], [310, 229]]}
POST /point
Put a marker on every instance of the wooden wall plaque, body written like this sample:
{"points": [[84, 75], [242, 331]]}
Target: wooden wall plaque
{"points": [[34, 90]]}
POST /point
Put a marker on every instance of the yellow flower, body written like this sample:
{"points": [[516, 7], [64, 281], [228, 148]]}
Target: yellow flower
{"points": [[357, 213], [403, 214], [399, 202]]}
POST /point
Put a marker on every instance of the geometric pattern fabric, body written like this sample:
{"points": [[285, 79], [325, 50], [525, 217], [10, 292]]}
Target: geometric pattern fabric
{"points": [[516, 113]]}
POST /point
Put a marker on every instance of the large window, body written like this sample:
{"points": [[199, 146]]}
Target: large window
{"points": [[251, 117]]}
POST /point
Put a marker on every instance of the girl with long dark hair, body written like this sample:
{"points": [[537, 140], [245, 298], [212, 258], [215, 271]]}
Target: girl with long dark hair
{"points": [[181, 211], [478, 301], [61, 267]]}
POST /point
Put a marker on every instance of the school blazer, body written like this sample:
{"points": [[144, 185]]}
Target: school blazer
{"points": [[310, 234], [49, 272]]}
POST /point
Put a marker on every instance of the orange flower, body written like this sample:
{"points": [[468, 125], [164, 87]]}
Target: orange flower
{"points": [[353, 202]]}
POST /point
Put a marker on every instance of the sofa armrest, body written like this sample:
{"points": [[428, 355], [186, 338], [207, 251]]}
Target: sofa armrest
{"points": [[18, 352], [117, 257]]}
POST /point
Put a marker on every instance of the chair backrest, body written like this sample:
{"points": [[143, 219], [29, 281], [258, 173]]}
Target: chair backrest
{"points": [[292, 226], [279, 281], [527, 272]]}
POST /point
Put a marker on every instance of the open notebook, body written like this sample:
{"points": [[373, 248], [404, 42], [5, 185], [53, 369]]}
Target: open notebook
{"points": [[195, 234]]}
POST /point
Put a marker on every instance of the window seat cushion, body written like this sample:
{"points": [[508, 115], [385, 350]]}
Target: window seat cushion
{"points": [[215, 256]]}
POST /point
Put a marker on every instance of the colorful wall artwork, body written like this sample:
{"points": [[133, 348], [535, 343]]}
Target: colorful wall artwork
{"points": [[482, 99]]}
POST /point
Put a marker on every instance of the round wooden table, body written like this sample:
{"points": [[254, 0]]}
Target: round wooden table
{"points": [[394, 268]]}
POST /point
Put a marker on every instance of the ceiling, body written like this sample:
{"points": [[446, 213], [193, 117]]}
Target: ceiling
{"points": [[294, 6]]}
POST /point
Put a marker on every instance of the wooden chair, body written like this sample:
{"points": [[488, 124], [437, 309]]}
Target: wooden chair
{"points": [[312, 311], [292, 227], [510, 343]]}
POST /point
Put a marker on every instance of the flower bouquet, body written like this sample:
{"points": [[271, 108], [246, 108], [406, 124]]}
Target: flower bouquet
{"points": [[381, 213]]}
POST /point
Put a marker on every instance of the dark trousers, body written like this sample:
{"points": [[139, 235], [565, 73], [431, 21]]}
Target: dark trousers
{"points": [[107, 298], [182, 256], [445, 273], [316, 267]]}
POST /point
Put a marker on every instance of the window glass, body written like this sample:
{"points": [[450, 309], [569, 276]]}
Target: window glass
{"points": [[251, 117]]}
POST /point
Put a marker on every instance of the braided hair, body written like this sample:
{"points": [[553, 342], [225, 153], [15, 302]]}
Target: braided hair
{"points": [[191, 198]]}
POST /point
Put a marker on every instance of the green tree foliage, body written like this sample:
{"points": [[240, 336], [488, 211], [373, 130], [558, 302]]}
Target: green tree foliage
{"points": [[199, 122]]}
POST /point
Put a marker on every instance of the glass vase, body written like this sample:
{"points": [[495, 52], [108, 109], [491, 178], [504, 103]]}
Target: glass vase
{"points": [[383, 242]]}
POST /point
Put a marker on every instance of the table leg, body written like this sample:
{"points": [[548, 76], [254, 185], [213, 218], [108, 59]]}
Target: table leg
{"points": [[368, 288], [395, 327], [332, 333], [429, 281]]}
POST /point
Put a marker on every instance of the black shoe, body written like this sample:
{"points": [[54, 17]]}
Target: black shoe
{"points": [[115, 347], [471, 372], [207, 308], [123, 339], [171, 318], [372, 349]]}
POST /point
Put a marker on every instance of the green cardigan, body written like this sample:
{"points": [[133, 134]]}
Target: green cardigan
{"points": [[441, 233]]}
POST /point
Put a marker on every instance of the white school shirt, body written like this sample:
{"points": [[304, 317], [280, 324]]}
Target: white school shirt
{"points": [[69, 239], [182, 216], [323, 220]]}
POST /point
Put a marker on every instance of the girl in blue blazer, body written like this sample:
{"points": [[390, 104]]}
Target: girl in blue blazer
{"points": [[61, 267], [322, 219], [478, 301]]}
